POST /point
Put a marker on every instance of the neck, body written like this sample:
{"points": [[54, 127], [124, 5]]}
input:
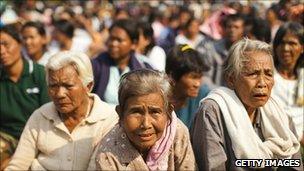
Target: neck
{"points": [[251, 114], [15, 70], [66, 45], [287, 72], [179, 101], [123, 62], [190, 36], [35, 57]]}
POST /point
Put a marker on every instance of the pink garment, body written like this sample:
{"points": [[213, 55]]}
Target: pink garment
{"points": [[212, 25], [157, 158]]}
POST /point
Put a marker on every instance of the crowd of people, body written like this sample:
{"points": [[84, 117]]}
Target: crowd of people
{"points": [[150, 85]]}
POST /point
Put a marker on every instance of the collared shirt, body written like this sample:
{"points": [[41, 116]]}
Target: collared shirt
{"points": [[46, 143], [18, 100], [211, 142], [115, 152]]}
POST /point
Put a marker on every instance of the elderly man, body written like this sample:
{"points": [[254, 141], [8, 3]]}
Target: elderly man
{"points": [[61, 134], [243, 121]]}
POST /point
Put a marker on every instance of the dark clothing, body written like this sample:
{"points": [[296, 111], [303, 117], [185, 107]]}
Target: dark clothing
{"points": [[19, 100], [211, 142], [101, 69]]}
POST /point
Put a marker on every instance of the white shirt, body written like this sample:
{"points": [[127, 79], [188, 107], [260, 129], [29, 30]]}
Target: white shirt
{"points": [[285, 91], [46, 143]]}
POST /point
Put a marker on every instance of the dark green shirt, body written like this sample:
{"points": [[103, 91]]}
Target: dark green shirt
{"points": [[19, 100]]}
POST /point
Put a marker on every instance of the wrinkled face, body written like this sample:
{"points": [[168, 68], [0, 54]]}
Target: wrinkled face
{"points": [[189, 84], [33, 41], [234, 30], [144, 120], [119, 44], [9, 50], [66, 89], [253, 85], [289, 51]]}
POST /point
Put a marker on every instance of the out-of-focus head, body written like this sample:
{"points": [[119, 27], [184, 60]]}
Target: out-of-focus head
{"points": [[10, 45], [34, 37], [70, 78], [248, 70], [123, 38], [192, 27], [186, 66], [288, 45], [258, 29], [234, 27], [64, 29], [144, 106], [146, 37]]}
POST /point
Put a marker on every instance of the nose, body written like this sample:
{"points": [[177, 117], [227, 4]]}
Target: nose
{"points": [[197, 83], [261, 82], [285, 46], [60, 93], [146, 122]]}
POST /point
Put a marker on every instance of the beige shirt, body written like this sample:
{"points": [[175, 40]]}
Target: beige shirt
{"points": [[46, 143], [115, 152]]}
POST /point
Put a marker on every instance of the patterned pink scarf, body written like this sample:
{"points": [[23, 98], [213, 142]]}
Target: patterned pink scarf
{"points": [[158, 156]]}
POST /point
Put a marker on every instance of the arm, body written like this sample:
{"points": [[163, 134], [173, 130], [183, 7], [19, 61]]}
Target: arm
{"points": [[207, 138], [27, 147], [184, 156]]}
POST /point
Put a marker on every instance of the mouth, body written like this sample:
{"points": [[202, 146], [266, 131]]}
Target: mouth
{"points": [[260, 96], [145, 137]]}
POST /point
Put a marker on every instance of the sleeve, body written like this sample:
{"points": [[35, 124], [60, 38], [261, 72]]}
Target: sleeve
{"points": [[207, 138], [183, 149], [27, 147]]}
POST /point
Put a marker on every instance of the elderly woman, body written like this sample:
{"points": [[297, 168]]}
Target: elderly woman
{"points": [[61, 134], [243, 121], [288, 49], [148, 136]]}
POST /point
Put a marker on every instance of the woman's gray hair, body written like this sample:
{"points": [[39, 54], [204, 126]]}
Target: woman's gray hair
{"points": [[144, 82], [79, 60], [237, 55]]}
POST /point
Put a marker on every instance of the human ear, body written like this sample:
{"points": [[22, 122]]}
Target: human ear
{"points": [[90, 86], [230, 82]]}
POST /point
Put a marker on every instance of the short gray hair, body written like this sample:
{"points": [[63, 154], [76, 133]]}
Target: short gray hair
{"points": [[79, 60], [236, 56], [144, 82]]}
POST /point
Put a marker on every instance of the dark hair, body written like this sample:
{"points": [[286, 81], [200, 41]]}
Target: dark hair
{"points": [[233, 17], [147, 32], [37, 25], [294, 28], [259, 28], [182, 59], [12, 31], [129, 26], [65, 27]]}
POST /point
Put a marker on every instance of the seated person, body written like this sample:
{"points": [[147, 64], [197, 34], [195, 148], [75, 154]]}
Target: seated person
{"points": [[22, 90], [243, 121], [148, 136], [61, 134], [186, 66]]}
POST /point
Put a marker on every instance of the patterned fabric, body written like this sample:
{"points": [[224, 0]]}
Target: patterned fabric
{"points": [[115, 152]]}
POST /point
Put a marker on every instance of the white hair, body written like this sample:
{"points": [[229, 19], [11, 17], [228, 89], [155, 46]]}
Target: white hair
{"points": [[79, 60], [237, 55]]}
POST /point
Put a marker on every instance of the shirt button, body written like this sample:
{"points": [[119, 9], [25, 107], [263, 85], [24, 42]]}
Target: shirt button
{"points": [[70, 140], [69, 158]]}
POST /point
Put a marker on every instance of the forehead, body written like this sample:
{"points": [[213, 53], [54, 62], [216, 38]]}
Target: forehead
{"points": [[30, 29], [65, 74], [118, 32], [6, 38], [153, 99], [257, 59], [290, 37]]}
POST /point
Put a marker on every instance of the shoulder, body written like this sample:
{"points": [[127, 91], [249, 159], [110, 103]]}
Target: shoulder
{"points": [[182, 132], [42, 114]]}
